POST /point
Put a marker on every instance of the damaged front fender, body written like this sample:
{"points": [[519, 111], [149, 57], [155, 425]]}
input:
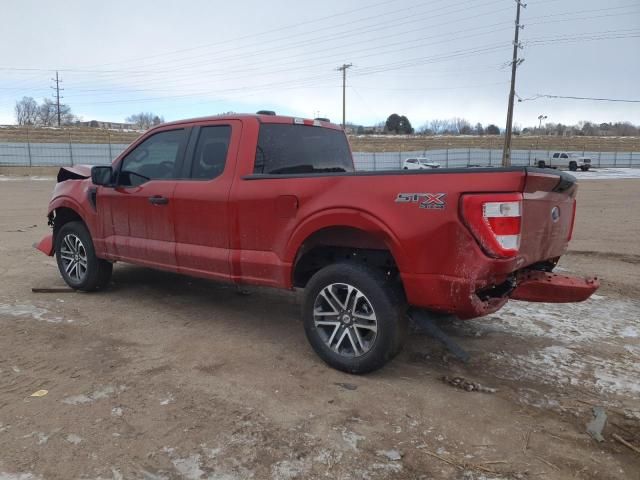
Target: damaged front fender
{"points": [[45, 245]]}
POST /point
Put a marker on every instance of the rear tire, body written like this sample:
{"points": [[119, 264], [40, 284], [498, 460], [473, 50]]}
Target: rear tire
{"points": [[573, 166], [354, 317], [584, 168], [77, 261], [542, 164]]}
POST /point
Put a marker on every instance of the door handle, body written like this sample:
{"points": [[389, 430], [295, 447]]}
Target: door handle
{"points": [[158, 200]]}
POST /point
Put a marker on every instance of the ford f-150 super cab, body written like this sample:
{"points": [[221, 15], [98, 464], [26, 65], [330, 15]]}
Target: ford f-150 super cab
{"points": [[275, 201]]}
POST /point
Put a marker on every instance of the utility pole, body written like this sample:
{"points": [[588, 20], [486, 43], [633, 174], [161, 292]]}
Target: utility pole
{"points": [[506, 153], [343, 68], [57, 95]]}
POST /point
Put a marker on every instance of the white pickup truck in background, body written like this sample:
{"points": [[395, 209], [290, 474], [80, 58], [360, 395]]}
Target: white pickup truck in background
{"points": [[564, 160]]}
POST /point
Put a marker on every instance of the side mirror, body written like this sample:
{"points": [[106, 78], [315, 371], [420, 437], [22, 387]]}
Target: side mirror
{"points": [[102, 176]]}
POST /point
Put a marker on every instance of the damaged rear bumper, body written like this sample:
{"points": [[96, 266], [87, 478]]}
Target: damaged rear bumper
{"points": [[536, 286], [466, 299]]}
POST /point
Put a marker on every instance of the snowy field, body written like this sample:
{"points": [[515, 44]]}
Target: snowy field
{"points": [[607, 173], [593, 345]]}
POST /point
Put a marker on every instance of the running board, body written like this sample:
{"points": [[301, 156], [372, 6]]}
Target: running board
{"points": [[428, 325]]}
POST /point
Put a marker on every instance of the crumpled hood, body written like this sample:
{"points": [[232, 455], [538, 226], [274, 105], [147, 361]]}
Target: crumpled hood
{"points": [[77, 172]]}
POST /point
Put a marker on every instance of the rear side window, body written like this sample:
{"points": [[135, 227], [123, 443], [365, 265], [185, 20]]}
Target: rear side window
{"points": [[556, 155], [290, 149], [210, 155]]}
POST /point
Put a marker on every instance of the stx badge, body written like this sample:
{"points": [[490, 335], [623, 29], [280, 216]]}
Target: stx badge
{"points": [[433, 201]]}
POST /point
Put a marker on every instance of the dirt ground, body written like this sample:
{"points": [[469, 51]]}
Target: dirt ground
{"points": [[164, 377]]}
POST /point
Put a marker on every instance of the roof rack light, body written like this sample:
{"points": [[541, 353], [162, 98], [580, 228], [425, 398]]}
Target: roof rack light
{"points": [[265, 112]]}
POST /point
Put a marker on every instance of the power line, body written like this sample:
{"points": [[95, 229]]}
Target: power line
{"points": [[596, 99]]}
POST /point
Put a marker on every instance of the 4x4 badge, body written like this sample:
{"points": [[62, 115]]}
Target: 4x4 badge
{"points": [[432, 201]]}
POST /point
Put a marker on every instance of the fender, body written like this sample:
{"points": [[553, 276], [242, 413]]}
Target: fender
{"points": [[65, 201], [342, 217], [71, 204]]}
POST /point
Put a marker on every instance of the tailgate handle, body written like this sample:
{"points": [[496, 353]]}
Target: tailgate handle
{"points": [[158, 200]]}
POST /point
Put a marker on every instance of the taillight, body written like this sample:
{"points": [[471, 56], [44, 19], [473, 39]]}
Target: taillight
{"points": [[495, 220]]}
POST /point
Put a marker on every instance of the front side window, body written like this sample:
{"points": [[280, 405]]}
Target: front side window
{"points": [[564, 155], [154, 159], [210, 155], [292, 149]]}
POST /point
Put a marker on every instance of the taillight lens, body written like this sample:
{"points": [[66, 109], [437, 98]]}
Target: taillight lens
{"points": [[496, 221]]}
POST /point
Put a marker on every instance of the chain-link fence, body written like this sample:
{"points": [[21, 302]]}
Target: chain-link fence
{"points": [[64, 148], [468, 157]]}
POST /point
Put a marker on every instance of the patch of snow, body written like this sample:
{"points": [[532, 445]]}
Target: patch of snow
{"points": [[393, 455], [103, 392], [167, 400], [593, 343], [607, 173], [289, 469], [189, 467], [352, 439], [29, 311], [13, 178], [598, 319], [73, 438], [19, 476]]}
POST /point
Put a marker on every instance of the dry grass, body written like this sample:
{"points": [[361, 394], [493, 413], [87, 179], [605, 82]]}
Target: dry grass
{"points": [[66, 135], [388, 143]]}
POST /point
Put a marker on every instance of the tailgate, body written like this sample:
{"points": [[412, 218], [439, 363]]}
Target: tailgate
{"points": [[548, 211]]}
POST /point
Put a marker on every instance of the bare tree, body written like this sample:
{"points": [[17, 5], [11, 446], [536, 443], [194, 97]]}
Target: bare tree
{"points": [[145, 119], [26, 111], [461, 126], [437, 125]]}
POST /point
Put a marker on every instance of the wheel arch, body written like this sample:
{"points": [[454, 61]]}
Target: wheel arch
{"points": [[63, 210], [341, 233]]}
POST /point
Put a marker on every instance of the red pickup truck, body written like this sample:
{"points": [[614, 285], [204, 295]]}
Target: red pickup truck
{"points": [[275, 201]]}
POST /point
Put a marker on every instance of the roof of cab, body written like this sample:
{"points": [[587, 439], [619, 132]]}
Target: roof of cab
{"points": [[261, 118]]}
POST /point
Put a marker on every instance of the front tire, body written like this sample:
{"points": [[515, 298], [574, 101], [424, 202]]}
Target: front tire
{"points": [[354, 317], [77, 261]]}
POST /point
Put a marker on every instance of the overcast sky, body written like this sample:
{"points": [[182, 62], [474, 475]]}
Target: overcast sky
{"points": [[424, 59]]}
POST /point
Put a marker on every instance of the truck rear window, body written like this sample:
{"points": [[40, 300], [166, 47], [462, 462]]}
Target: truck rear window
{"points": [[289, 149]]}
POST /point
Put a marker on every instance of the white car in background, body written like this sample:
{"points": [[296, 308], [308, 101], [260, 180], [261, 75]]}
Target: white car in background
{"points": [[419, 163]]}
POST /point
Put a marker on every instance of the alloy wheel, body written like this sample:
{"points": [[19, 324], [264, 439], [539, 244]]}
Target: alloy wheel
{"points": [[345, 319], [73, 256]]}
